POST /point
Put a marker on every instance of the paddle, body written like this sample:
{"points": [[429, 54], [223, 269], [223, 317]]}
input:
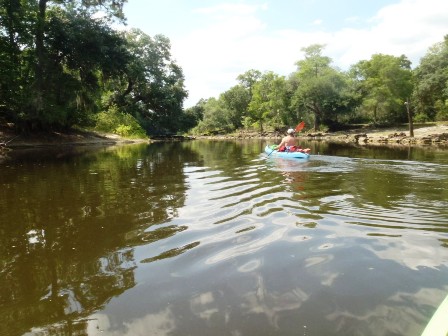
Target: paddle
{"points": [[298, 128]]}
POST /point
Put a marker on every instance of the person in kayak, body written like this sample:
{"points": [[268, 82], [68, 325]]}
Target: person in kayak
{"points": [[289, 143]]}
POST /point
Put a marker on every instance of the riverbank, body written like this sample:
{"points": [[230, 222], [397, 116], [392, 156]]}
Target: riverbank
{"points": [[9, 139], [424, 134]]}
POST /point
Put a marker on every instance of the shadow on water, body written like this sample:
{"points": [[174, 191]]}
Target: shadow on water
{"points": [[214, 238], [69, 220]]}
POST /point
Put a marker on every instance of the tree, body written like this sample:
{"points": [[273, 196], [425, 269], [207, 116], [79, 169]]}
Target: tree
{"points": [[114, 8], [268, 100], [385, 83], [15, 41], [319, 91], [192, 116], [431, 89], [60, 65], [215, 118], [236, 100], [152, 89], [249, 78], [81, 54], [53, 54]]}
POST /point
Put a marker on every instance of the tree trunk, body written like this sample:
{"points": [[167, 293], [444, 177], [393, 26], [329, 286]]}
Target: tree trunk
{"points": [[317, 114], [11, 28], [410, 119], [374, 114], [40, 54]]}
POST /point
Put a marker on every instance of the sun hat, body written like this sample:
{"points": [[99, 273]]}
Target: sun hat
{"points": [[290, 131]]}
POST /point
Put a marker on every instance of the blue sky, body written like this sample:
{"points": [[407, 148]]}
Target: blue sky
{"points": [[214, 41]]}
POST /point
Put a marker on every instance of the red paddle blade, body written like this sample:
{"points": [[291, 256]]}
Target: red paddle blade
{"points": [[300, 126]]}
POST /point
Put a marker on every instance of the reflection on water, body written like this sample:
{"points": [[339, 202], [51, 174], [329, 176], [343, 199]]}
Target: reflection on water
{"points": [[214, 238]]}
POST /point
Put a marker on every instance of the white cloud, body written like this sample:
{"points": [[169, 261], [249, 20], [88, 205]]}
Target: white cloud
{"points": [[237, 40], [216, 54], [409, 27], [233, 8], [158, 324]]}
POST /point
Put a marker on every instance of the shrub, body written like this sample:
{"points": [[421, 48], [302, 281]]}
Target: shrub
{"points": [[116, 122], [421, 118]]}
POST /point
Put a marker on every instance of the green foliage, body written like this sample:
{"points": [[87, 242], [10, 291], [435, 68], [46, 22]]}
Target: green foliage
{"points": [[152, 89], [442, 111], [15, 55], [269, 101], [226, 113], [431, 89], [215, 118], [192, 116], [320, 92], [54, 56], [385, 82], [79, 53], [116, 122], [421, 118], [59, 66], [249, 79], [221, 115], [373, 91], [236, 101]]}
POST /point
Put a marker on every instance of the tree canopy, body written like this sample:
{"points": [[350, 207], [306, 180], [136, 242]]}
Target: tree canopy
{"points": [[385, 83], [320, 89], [431, 84], [382, 90], [63, 65]]}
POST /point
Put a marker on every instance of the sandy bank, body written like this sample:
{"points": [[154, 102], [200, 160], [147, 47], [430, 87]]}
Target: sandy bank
{"points": [[436, 135]]}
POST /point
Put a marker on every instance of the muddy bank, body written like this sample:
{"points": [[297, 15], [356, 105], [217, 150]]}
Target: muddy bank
{"points": [[10, 140]]}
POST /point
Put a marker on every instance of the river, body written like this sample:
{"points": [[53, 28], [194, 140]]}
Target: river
{"points": [[214, 238]]}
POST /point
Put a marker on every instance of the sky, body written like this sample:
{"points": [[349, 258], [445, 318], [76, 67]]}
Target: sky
{"points": [[214, 41]]}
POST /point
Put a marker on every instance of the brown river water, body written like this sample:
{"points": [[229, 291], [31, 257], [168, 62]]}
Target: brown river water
{"points": [[214, 238]]}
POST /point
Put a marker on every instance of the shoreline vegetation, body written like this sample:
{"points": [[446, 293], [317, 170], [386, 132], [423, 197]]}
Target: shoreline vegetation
{"points": [[424, 135], [62, 68]]}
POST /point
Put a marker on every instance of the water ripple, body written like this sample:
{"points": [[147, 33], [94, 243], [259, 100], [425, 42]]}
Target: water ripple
{"points": [[236, 212]]}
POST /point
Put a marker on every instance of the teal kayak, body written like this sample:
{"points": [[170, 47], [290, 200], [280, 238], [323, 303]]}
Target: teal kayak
{"points": [[287, 155], [438, 325]]}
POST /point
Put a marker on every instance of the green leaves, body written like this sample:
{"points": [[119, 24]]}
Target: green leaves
{"points": [[154, 90], [319, 89], [61, 64], [116, 122], [268, 100], [385, 83], [431, 91], [372, 91], [53, 57]]}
